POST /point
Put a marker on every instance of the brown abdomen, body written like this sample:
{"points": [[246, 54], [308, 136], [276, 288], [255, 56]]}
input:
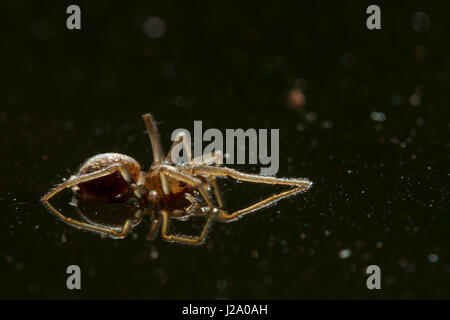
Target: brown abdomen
{"points": [[112, 187]]}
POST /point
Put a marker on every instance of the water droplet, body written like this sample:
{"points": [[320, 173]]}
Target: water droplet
{"points": [[221, 284], [344, 254], [420, 21], [154, 255], [154, 27], [433, 258], [378, 116], [414, 100]]}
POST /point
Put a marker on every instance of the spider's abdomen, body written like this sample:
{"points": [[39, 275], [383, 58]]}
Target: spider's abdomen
{"points": [[112, 187]]}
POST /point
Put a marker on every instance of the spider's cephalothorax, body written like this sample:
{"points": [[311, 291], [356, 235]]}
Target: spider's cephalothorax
{"points": [[116, 177]]}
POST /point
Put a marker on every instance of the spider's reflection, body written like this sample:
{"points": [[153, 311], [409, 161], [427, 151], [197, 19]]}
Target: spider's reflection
{"points": [[113, 177]]}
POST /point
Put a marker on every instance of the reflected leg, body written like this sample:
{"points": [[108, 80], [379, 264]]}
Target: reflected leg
{"points": [[75, 180], [183, 238], [223, 216], [153, 232], [91, 227]]}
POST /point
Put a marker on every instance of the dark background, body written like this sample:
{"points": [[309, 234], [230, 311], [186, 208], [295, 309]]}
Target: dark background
{"points": [[381, 187]]}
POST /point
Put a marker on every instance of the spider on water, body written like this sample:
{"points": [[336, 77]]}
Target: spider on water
{"points": [[114, 177]]}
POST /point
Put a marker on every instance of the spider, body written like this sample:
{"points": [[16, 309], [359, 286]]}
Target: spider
{"points": [[114, 177]]}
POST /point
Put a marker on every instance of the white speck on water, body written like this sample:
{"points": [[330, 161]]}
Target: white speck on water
{"points": [[420, 21], [311, 116], [154, 27], [414, 100], [377, 116], [68, 125], [419, 122], [221, 284], [344, 254], [327, 124], [396, 100], [433, 258], [154, 254]]}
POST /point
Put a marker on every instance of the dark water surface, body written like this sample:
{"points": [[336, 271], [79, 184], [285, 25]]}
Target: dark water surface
{"points": [[372, 136]]}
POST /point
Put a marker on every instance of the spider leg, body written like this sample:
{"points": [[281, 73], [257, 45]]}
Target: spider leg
{"points": [[153, 133], [158, 154], [212, 158], [183, 238], [222, 172], [174, 173], [74, 181], [302, 186], [217, 192]]}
